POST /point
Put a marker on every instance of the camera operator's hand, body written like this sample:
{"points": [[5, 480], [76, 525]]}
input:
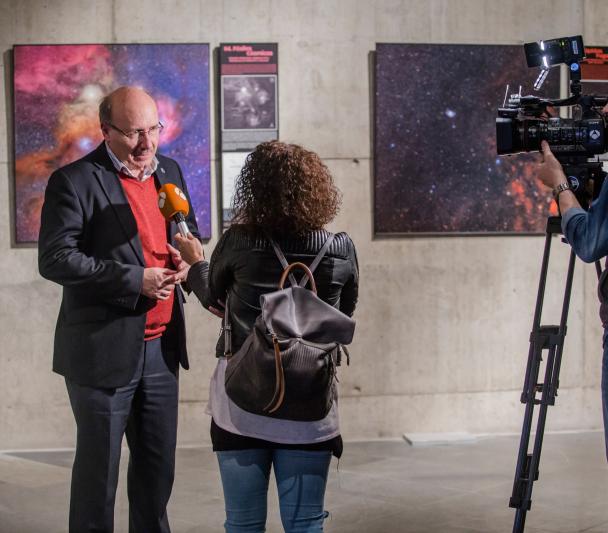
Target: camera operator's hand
{"points": [[551, 173], [549, 112], [550, 170]]}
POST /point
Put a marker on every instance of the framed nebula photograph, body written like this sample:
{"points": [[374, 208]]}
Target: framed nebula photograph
{"points": [[435, 163], [57, 90]]}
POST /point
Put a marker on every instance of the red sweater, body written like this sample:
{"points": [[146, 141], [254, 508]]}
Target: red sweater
{"points": [[152, 227]]}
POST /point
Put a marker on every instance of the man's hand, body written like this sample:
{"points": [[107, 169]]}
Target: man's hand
{"points": [[180, 265], [550, 170], [190, 248], [158, 282], [551, 173]]}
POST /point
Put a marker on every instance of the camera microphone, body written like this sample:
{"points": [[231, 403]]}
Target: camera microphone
{"points": [[174, 206]]}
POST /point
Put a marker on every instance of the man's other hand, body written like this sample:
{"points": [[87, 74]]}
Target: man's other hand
{"points": [[159, 282], [180, 265]]}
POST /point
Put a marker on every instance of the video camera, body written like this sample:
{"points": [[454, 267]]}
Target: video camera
{"points": [[524, 121]]}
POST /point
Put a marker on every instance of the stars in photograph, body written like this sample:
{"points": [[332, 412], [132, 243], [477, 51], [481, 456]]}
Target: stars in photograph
{"points": [[435, 152]]}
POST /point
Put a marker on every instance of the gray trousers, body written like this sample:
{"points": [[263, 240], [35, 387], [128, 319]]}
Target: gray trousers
{"points": [[146, 411]]}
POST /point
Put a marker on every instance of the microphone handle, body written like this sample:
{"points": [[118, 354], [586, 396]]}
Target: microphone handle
{"points": [[180, 219], [183, 228]]}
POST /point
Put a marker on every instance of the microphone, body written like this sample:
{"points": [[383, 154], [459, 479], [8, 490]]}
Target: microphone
{"points": [[173, 204]]}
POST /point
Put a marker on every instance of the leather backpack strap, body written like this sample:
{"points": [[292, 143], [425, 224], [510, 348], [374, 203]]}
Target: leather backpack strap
{"points": [[281, 257], [317, 259], [227, 328]]}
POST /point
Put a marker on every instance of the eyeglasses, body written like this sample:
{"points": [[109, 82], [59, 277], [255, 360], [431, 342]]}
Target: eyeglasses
{"points": [[138, 134]]}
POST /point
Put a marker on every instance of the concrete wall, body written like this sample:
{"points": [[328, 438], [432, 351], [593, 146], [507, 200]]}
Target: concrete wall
{"points": [[443, 323]]}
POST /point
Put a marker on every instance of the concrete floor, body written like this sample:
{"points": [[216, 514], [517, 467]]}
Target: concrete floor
{"points": [[379, 487]]}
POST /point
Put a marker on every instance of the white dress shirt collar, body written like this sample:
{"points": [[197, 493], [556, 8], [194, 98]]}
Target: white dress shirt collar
{"points": [[121, 167]]}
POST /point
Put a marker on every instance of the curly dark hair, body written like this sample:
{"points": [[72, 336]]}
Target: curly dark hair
{"points": [[285, 189]]}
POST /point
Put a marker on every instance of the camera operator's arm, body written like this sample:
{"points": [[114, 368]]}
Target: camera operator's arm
{"points": [[586, 231]]}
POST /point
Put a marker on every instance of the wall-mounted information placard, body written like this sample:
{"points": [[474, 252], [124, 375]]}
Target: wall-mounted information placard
{"points": [[249, 95], [248, 107]]}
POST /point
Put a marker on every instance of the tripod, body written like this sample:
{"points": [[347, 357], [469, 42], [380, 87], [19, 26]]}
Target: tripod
{"points": [[551, 339]]}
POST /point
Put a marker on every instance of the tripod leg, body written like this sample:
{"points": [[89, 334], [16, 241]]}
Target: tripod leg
{"points": [[559, 348], [552, 339], [533, 459], [526, 472], [528, 397]]}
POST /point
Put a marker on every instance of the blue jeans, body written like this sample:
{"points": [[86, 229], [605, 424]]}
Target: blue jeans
{"points": [[301, 478]]}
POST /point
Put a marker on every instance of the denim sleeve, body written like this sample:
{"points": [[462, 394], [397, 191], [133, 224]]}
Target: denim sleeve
{"points": [[587, 231]]}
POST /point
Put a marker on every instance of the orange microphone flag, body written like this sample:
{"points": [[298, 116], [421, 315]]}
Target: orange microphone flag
{"points": [[172, 200], [174, 206]]}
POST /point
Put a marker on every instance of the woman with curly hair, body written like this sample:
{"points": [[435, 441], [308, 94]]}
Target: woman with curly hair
{"points": [[284, 194]]}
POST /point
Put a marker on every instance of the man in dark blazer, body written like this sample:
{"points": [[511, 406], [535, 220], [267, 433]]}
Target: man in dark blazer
{"points": [[120, 334]]}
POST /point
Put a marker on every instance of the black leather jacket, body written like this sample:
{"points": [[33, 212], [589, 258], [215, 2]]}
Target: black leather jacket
{"points": [[245, 266]]}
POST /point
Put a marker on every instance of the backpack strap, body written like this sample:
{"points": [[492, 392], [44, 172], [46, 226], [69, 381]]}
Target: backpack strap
{"points": [[282, 259], [317, 259], [227, 327]]}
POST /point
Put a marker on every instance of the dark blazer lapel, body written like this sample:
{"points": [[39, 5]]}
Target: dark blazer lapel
{"points": [[110, 184], [161, 175]]}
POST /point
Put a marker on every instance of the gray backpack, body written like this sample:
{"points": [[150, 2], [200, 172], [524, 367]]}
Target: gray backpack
{"points": [[286, 367]]}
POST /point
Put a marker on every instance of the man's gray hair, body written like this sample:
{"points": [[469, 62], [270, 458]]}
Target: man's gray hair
{"points": [[105, 110]]}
